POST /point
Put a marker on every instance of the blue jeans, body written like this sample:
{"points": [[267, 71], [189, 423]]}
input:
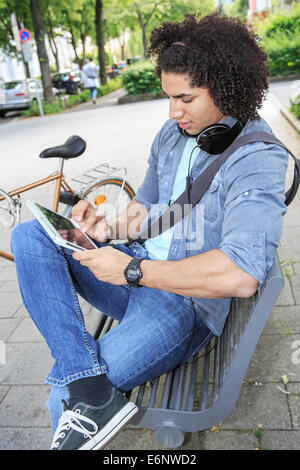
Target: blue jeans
{"points": [[154, 334], [93, 91]]}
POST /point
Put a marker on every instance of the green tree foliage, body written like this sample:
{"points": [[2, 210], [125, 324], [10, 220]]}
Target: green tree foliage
{"points": [[151, 13], [237, 8], [99, 20], [77, 18], [141, 16], [280, 33], [6, 36], [22, 11], [29, 13]]}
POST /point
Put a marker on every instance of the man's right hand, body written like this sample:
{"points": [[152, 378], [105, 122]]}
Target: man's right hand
{"points": [[94, 226]]}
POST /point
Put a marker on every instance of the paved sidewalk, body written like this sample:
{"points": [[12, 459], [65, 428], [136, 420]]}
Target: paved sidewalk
{"points": [[267, 415], [108, 100]]}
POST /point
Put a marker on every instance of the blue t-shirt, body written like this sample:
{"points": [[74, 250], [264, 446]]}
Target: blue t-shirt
{"points": [[158, 247]]}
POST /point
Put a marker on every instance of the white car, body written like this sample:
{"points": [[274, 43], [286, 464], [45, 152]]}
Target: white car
{"points": [[2, 91], [20, 94]]}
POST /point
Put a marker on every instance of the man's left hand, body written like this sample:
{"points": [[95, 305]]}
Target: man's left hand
{"points": [[106, 263]]}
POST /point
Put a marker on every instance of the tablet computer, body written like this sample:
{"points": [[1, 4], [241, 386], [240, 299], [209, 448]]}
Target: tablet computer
{"points": [[64, 232]]}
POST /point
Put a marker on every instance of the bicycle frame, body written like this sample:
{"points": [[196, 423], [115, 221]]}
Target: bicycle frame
{"points": [[87, 181], [60, 183]]}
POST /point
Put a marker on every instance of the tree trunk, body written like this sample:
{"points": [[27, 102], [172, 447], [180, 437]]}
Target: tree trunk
{"points": [[73, 43], [143, 28], [53, 45], [100, 41], [39, 32], [83, 41], [144, 20], [122, 42]]}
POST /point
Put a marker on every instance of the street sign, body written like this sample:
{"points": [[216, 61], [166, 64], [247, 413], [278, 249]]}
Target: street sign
{"points": [[26, 49], [25, 35]]}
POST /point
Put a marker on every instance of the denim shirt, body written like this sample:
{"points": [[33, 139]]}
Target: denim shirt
{"points": [[240, 214]]}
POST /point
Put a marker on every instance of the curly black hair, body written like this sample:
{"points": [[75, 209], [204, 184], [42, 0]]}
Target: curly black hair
{"points": [[219, 53]]}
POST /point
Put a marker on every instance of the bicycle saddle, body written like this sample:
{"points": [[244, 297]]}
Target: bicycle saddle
{"points": [[73, 147]]}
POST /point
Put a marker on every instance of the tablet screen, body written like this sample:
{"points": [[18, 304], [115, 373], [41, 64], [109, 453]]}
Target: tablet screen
{"points": [[67, 229]]}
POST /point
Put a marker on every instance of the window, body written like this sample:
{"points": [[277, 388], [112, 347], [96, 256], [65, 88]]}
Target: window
{"points": [[13, 85]]}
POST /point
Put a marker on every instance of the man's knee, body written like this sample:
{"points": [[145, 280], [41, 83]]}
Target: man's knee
{"points": [[27, 237]]}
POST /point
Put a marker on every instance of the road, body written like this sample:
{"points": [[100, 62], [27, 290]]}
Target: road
{"points": [[119, 135], [9, 117]]}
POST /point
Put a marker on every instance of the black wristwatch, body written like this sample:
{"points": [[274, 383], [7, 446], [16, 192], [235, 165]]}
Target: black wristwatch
{"points": [[133, 272]]}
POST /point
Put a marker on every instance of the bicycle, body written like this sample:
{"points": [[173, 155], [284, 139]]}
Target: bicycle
{"points": [[98, 185]]}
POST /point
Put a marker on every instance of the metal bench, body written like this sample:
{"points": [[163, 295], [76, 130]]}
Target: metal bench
{"points": [[202, 392]]}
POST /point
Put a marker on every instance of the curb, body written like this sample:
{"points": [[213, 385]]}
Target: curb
{"points": [[285, 112], [126, 99], [284, 78], [291, 119]]}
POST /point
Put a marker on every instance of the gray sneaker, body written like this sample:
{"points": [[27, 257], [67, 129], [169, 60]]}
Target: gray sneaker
{"points": [[88, 427]]}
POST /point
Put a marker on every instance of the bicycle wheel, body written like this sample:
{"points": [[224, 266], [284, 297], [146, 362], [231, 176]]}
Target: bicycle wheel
{"points": [[8, 213], [109, 196]]}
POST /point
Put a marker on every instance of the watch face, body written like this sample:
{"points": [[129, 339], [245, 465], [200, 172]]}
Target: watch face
{"points": [[132, 274]]}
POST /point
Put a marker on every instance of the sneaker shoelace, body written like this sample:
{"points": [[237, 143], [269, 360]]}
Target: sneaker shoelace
{"points": [[73, 420]]}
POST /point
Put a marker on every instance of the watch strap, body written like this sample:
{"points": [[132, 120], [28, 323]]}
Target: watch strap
{"points": [[134, 263]]}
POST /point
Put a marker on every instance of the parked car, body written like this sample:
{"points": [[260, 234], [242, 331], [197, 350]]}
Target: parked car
{"points": [[20, 94], [67, 81], [2, 91], [115, 69]]}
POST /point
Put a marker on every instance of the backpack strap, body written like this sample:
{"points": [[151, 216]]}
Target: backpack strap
{"points": [[189, 198]]}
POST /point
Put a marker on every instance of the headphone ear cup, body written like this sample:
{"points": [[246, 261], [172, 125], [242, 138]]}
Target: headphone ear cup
{"points": [[211, 139], [216, 138]]}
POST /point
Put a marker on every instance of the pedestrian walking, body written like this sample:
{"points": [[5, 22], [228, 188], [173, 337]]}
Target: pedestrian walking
{"points": [[89, 75]]}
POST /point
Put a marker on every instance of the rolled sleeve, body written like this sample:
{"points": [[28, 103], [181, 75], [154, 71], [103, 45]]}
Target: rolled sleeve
{"points": [[248, 251], [254, 209]]}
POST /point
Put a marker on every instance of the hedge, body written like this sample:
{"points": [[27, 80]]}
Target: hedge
{"points": [[140, 78], [280, 33], [283, 55], [295, 106]]}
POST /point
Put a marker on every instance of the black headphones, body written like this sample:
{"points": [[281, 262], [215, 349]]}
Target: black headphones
{"points": [[215, 138]]}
